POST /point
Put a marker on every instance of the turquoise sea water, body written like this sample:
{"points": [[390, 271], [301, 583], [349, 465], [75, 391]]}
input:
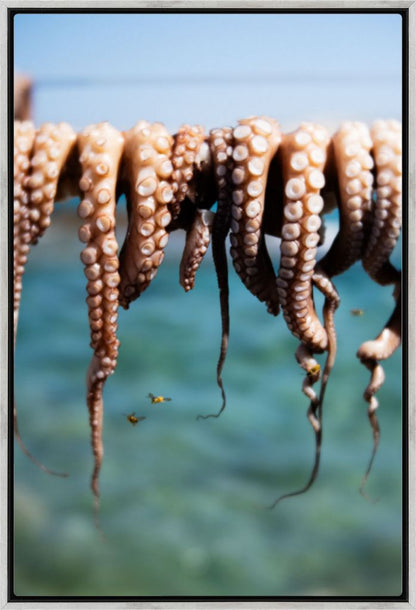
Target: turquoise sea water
{"points": [[183, 502]]}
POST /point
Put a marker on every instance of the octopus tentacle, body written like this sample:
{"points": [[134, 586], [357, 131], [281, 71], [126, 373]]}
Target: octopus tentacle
{"points": [[24, 136], [332, 301], [256, 141], [351, 147], [185, 159], [52, 146], [303, 156], [370, 353], [101, 148], [220, 141], [148, 167], [386, 226], [383, 237], [198, 238]]}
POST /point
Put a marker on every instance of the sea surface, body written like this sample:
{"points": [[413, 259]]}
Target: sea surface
{"points": [[184, 503]]}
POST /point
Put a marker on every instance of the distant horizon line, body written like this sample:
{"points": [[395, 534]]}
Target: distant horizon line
{"points": [[169, 79]]}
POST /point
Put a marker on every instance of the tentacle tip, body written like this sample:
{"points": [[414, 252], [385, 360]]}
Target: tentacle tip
{"points": [[273, 310], [207, 416], [273, 505], [63, 475], [366, 496]]}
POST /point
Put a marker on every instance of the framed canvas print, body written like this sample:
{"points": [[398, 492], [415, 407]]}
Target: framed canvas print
{"points": [[208, 292]]}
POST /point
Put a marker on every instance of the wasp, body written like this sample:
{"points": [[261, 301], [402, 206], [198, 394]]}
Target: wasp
{"points": [[357, 312], [133, 419], [158, 399], [314, 370]]}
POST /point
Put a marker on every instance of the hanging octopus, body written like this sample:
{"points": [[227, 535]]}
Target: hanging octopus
{"points": [[265, 182]]}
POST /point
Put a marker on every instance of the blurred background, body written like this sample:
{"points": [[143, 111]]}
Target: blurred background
{"points": [[184, 502]]}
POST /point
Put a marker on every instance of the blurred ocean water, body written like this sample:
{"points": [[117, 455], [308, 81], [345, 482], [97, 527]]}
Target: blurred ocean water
{"points": [[184, 502]]}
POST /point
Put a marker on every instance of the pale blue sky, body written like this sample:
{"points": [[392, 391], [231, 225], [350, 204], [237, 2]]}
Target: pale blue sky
{"points": [[211, 69]]}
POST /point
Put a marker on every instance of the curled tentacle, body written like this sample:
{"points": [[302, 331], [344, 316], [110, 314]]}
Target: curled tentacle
{"points": [[101, 148], [312, 368], [256, 141], [148, 169], [189, 156], [370, 353], [332, 300], [350, 148], [303, 155], [384, 232], [221, 150], [197, 241]]}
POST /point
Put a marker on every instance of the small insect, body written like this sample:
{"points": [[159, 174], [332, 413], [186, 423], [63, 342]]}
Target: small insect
{"points": [[357, 312], [314, 370], [157, 399], [133, 419]]}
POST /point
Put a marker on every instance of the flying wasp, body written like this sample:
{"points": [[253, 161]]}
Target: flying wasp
{"points": [[158, 399], [357, 312], [133, 419]]}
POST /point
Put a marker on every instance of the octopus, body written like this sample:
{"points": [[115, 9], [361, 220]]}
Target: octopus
{"points": [[263, 182]]}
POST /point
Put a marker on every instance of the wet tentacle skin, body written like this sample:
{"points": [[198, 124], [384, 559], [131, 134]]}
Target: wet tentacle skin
{"points": [[384, 233], [101, 147], [148, 169], [256, 141]]}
